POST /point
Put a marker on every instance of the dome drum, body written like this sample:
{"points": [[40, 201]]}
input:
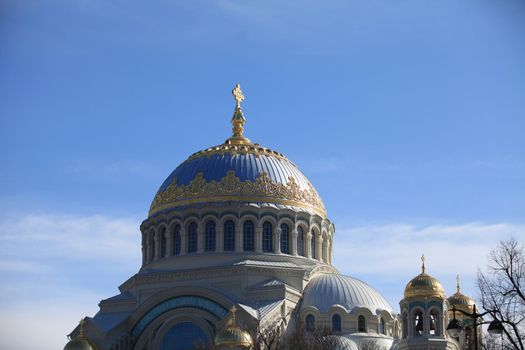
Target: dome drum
{"points": [[272, 233]]}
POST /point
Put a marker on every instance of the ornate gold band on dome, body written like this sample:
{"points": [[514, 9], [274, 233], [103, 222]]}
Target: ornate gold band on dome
{"points": [[231, 188], [226, 148]]}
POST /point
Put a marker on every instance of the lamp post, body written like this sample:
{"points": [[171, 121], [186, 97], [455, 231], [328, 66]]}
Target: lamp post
{"points": [[454, 328]]}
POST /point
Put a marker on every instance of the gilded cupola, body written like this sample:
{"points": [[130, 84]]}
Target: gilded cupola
{"points": [[232, 336], [237, 172], [460, 301], [424, 286], [80, 342]]}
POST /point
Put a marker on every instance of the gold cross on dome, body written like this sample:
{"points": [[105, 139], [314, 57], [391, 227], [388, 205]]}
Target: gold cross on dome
{"points": [[238, 95], [423, 263]]}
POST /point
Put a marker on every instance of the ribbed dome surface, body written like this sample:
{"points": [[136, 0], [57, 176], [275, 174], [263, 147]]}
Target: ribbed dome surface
{"points": [[424, 285], [233, 337], [328, 289], [246, 167], [461, 302], [237, 173], [342, 343]]}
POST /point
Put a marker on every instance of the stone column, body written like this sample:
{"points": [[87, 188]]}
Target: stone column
{"points": [[144, 249], [200, 238], [277, 241], [169, 243], [293, 243], [183, 241], [319, 247], [308, 246], [220, 238], [329, 245], [157, 246], [258, 239], [238, 238]]}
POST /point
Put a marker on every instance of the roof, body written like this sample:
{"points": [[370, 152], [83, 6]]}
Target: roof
{"points": [[267, 263], [237, 173], [326, 290]]}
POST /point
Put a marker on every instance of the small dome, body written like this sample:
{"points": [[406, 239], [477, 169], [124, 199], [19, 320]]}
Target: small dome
{"points": [[78, 344], [460, 301], [342, 343], [232, 336], [329, 289], [424, 286]]}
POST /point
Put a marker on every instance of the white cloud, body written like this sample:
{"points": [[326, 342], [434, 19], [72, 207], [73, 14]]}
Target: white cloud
{"points": [[38, 251], [46, 322], [24, 239], [55, 269], [388, 256]]}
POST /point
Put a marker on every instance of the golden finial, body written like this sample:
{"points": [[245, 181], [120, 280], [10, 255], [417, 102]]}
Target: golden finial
{"points": [[238, 95], [233, 310], [423, 263], [457, 283], [238, 119], [81, 330]]}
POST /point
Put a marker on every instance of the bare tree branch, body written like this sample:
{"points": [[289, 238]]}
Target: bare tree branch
{"points": [[501, 293]]}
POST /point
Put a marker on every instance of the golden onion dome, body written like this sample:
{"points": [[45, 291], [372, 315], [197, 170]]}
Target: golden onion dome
{"points": [[424, 286], [460, 301], [80, 342], [237, 172], [232, 336]]}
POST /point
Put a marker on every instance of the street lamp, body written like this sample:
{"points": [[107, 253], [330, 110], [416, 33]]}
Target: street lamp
{"points": [[454, 328]]}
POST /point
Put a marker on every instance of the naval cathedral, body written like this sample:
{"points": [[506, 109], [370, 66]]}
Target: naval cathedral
{"points": [[238, 242]]}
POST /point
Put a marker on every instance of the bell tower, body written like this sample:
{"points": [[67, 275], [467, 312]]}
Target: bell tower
{"points": [[423, 314]]}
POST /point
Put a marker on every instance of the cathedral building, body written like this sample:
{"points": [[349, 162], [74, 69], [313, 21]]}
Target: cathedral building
{"points": [[237, 242]]}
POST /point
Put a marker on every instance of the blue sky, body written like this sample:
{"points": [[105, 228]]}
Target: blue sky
{"points": [[407, 116]]}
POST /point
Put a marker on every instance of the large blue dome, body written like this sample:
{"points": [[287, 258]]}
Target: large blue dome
{"points": [[240, 173], [237, 172]]}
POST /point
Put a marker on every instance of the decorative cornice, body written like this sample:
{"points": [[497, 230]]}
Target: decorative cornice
{"points": [[231, 188], [172, 276]]}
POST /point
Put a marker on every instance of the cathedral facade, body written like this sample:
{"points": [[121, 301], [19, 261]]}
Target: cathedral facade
{"points": [[238, 242]]}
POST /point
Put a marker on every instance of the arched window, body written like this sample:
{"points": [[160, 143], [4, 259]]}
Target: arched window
{"points": [[209, 241], [267, 237], [183, 335], [312, 247], [418, 323], [435, 328], [285, 239], [248, 236], [300, 241], [324, 250], [192, 238], [176, 240], [336, 323], [361, 324], [229, 236], [151, 246], [162, 241], [382, 328], [310, 323]]}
